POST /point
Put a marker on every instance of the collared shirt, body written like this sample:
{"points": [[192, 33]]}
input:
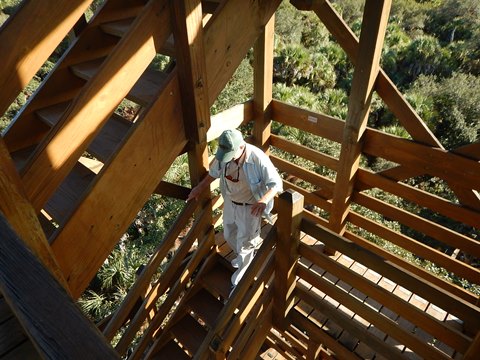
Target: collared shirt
{"points": [[260, 174]]}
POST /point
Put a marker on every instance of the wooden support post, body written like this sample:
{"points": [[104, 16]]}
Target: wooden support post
{"points": [[192, 74], [289, 206], [48, 315], [262, 85], [366, 71], [22, 217], [474, 349]]}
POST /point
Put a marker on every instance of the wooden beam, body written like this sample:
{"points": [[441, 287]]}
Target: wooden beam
{"points": [[24, 51], [312, 122], [140, 163], [384, 86], [395, 101], [59, 151], [289, 206], [192, 70], [229, 35], [374, 24], [50, 318], [22, 217], [455, 169], [262, 85], [172, 190]]}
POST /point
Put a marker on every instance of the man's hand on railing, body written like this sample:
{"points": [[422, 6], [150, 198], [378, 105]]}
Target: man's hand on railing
{"points": [[198, 190]]}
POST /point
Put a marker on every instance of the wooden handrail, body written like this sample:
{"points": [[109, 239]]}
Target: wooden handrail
{"points": [[166, 281], [252, 300], [49, 316], [205, 244], [457, 267], [237, 296], [141, 284]]}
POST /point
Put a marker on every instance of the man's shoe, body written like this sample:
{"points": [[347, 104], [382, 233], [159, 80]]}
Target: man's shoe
{"points": [[235, 263]]}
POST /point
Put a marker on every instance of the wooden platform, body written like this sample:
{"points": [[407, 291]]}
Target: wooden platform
{"points": [[340, 335]]}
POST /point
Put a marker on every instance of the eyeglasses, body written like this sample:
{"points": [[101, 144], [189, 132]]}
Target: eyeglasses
{"points": [[229, 177]]}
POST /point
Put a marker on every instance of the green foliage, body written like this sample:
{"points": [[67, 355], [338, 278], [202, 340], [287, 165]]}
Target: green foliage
{"points": [[451, 107], [454, 20]]}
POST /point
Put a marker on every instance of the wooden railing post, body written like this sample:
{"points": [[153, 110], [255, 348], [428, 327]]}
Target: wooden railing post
{"points": [[289, 206]]}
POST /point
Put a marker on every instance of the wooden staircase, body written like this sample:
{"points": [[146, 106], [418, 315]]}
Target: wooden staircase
{"points": [[198, 315], [75, 151]]}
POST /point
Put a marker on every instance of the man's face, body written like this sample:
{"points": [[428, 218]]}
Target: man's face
{"points": [[239, 152]]}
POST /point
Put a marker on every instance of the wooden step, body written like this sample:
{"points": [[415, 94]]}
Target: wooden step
{"points": [[189, 333], [120, 28], [217, 280], [107, 140], [63, 201], [171, 351], [143, 92], [25, 350], [11, 335], [205, 306]]}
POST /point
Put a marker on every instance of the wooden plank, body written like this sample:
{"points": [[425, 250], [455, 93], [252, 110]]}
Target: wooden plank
{"points": [[366, 70], [33, 293], [52, 20], [346, 323], [416, 270], [104, 145], [189, 333], [229, 35], [11, 335], [26, 350], [368, 179], [439, 258], [324, 185], [230, 119], [307, 153], [205, 306], [309, 121], [21, 215], [70, 191], [64, 144], [262, 85], [435, 294], [289, 206], [192, 75], [455, 169], [310, 198], [380, 321], [172, 190], [427, 227], [437, 328]]}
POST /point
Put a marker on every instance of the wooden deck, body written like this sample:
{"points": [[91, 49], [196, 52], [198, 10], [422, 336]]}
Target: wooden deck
{"points": [[342, 336]]}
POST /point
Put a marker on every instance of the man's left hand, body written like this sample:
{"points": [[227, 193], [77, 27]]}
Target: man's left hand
{"points": [[258, 208]]}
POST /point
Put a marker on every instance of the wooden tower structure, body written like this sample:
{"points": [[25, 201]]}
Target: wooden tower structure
{"points": [[74, 173]]}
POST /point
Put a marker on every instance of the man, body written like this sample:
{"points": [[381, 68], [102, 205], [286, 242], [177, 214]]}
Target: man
{"points": [[248, 182]]}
